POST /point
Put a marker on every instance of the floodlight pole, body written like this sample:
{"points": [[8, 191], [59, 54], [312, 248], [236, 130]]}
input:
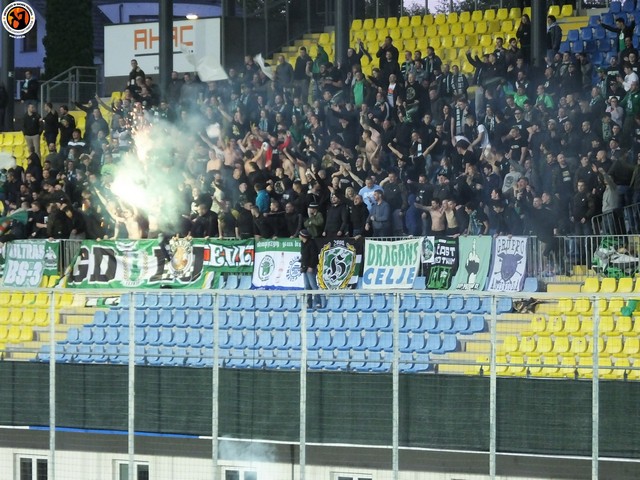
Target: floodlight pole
{"points": [[165, 64]]}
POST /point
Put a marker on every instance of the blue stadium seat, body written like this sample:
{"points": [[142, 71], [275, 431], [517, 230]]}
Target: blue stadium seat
{"points": [[275, 302], [294, 340], [261, 302], [445, 323], [324, 339], [449, 344], [339, 340], [434, 342], [277, 321], [363, 303], [586, 33], [246, 303], [505, 305], [440, 303], [205, 301], [244, 282], [408, 302], [231, 320], [460, 325], [410, 322], [414, 343], [178, 300], [100, 318], [292, 320], [531, 283], [278, 339], [358, 361], [264, 339], [415, 364], [163, 300], [368, 341], [350, 321], [385, 341], [231, 302], [599, 33], [204, 339], [573, 35], [180, 337], [166, 337], [319, 321], [591, 47], [577, 47], [472, 304], [348, 302], [628, 6], [86, 336], [456, 304], [193, 319], [262, 320], [420, 283], [289, 304], [73, 336], [313, 342], [476, 324], [232, 282], [367, 321], [565, 47], [593, 21], [614, 8], [179, 318], [333, 303]]}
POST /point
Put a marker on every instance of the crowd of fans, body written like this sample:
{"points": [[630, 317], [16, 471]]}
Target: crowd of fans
{"points": [[416, 148]]}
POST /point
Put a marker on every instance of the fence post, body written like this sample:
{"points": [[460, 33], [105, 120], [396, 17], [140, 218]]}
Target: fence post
{"points": [[52, 386], [595, 392], [132, 388], [303, 387], [493, 388], [395, 458], [215, 419]]}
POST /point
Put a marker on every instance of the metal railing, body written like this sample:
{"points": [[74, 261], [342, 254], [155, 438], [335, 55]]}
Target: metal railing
{"points": [[75, 84]]}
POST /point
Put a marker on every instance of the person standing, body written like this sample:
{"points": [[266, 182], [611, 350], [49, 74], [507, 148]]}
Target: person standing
{"points": [[524, 36], [554, 38], [31, 129], [29, 90], [380, 218], [300, 78], [309, 267]]}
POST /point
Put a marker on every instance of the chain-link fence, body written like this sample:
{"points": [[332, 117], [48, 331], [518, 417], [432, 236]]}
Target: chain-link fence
{"points": [[245, 384]]}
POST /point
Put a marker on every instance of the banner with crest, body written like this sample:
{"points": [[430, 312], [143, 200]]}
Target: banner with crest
{"points": [[339, 262], [509, 264], [174, 263], [277, 265]]}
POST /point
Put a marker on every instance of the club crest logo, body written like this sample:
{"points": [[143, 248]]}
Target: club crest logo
{"points": [[181, 256], [18, 18], [336, 264], [266, 268]]}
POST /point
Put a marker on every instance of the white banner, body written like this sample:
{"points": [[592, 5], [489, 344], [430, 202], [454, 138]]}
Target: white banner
{"points": [[277, 265], [195, 42], [509, 264], [392, 264]]}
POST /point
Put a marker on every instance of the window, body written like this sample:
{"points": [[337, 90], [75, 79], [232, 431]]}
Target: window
{"points": [[30, 40], [142, 471], [33, 468], [240, 474]]}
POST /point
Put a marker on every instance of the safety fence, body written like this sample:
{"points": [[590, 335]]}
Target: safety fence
{"points": [[379, 375]]}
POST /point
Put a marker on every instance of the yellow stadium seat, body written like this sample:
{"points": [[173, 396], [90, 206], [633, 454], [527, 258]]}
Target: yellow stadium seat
{"points": [[452, 18], [515, 13], [494, 26], [621, 366], [482, 28], [591, 285], [41, 318], [527, 11], [467, 68], [567, 366], [561, 345], [554, 10], [469, 28], [631, 346], [489, 14], [572, 325], [5, 316], [419, 31], [446, 42], [502, 14], [550, 366], [563, 307], [517, 366], [624, 325], [415, 21], [368, 24], [460, 41], [324, 39], [432, 31], [19, 334], [464, 17], [614, 345], [427, 20], [486, 41], [589, 351], [510, 344], [477, 16], [506, 27], [555, 325], [534, 365], [380, 23], [579, 345], [455, 29], [586, 327], [567, 10], [544, 345], [527, 345], [608, 285], [582, 306], [404, 22], [28, 298], [356, 25], [585, 367], [4, 332], [53, 280], [538, 325], [381, 34], [440, 19], [625, 285], [392, 22], [501, 364], [42, 300], [615, 306], [406, 33], [28, 315], [16, 299], [422, 44], [371, 36], [471, 41], [410, 44]]}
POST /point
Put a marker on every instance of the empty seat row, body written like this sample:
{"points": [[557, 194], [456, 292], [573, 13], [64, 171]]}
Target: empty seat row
{"points": [[568, 366], [581, 325], [41, 300], [575, 345], [24, 316]]}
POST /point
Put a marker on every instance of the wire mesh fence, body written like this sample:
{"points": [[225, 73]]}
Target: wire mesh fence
{"points": [[253, 384]]}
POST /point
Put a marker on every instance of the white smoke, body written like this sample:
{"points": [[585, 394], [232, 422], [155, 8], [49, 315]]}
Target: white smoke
{"points": [[253, 455]]}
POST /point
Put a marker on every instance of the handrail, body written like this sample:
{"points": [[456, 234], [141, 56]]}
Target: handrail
{"points": [[74, 78]]}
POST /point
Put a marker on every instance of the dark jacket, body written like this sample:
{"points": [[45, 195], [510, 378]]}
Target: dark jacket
{"points": [[308, 255]]}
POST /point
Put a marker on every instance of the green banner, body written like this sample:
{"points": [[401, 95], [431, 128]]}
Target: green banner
{"points": [[440, 255], [339, 262], [474, 257], [177, 263], [29, 263]]}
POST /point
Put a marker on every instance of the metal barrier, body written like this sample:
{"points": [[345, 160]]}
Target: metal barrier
{"points": [[404, 371], [77, 84]]}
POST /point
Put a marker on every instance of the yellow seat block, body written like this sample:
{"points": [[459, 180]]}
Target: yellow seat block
{"points": [[476, 16], [544, 345], [489, 14], [452, 18], [28, 315], [5, 316], [455, 29], [464, 17], [368, 24], [469, 28], [502, 14], [515, 13], [608, 285], [624, 325], [440, 19], [432, 31], [527, 345], [41, 318], [566, 11], [419, 31], [554, 10], [561, 345], [591, 285], [517, 367], [614, 345], [625, 285], [415, 21], [392, 22], [631, 346], [427, 20], [380, 23]]}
